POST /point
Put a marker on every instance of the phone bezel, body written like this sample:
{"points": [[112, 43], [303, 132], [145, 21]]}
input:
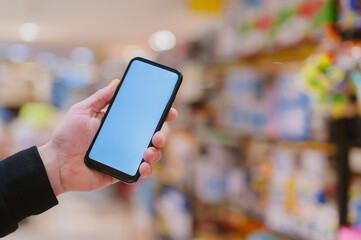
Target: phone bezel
{"points": [[115, 172]]}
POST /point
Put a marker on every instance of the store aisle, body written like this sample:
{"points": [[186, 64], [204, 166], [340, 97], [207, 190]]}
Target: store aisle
{"points": [[91, 216]]}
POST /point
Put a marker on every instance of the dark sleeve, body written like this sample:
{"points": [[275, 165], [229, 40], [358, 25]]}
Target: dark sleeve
{"points": [[25, 189]]}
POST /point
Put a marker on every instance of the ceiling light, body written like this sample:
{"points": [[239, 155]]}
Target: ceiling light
{"points": [[162, 41], [28, 32]]}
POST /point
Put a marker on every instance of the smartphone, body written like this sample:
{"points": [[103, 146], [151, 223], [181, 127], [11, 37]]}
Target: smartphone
{"points": [[137, 110]]}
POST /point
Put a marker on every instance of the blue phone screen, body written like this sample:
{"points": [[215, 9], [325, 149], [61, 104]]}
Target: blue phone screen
{"points": [[133, 117]]}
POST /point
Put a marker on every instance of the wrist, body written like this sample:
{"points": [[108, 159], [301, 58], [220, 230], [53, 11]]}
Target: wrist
{"points": [[49, 158]]}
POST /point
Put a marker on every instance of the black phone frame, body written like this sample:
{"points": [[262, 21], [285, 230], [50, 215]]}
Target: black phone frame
{"points": [[112, 171]]}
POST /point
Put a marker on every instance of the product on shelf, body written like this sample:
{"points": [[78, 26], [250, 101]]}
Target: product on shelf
{"points": [[354, 204], [244, 108], [348, 234], [253, 106], [263, 25], [292, 107], [297, 205], [262, 236], [174, 218], [142, 199], [349, 19]]}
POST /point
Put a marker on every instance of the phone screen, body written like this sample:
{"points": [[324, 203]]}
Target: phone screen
{"points": [[133, 116]]}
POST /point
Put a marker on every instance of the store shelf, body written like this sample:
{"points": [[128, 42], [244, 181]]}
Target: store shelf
{"points": [[271, 63]]}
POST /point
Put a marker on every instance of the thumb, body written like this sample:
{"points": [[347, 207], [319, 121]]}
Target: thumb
{"points": [[102, 97]]}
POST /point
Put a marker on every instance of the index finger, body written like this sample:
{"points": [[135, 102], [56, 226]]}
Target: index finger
{"points": [[172, 115]]}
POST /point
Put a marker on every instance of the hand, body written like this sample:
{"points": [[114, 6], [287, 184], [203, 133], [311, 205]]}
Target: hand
{"points": [[63, 155]]}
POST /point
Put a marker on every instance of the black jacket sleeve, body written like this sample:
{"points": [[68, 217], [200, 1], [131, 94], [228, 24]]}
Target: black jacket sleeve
{"points": [[25, 189]]}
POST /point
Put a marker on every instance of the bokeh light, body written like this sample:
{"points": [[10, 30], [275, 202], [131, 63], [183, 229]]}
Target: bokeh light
{"points": [[111, 69], [17, 53], [46, 60], [74, 77], [162, 41], [3, 48], [28, 32], [132, 51], [82, 56]]}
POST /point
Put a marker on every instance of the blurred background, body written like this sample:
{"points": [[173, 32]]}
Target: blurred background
{"points": [[268, 141]]}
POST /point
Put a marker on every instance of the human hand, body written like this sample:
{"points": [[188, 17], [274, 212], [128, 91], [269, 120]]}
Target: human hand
{"points": [[63, 155]]}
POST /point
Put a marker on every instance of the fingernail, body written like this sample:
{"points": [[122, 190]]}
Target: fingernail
{"points": [[115, 82]]}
